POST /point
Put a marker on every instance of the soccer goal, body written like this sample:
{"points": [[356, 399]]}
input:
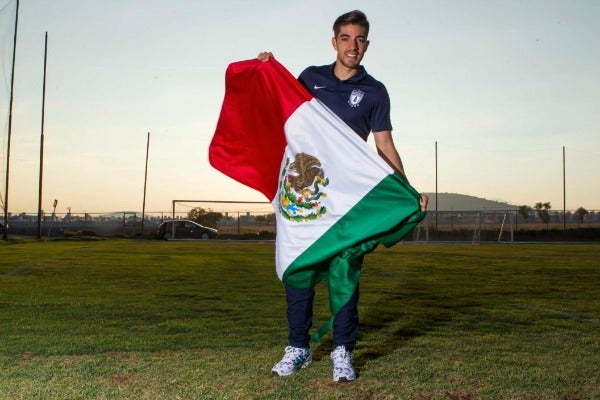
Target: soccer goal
{"points": [[184, 206], [237, 217]]}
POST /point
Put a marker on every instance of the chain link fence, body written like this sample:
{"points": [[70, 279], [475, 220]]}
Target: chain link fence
{"points": [[507, 226], [441, 226]]}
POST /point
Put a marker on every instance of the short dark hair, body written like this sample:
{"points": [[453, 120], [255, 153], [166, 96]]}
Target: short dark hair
{"points": [[355, 17]]}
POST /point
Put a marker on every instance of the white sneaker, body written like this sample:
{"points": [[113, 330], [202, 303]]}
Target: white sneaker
{"points": [[342, 365], [293, 359]]}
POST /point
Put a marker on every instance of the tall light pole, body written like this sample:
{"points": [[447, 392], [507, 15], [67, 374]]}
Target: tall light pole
{"points": [[39, 221], [564, 191], [145, 182], [436, 186], [12, 85]]}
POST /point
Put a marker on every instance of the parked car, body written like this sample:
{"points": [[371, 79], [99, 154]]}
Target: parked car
{"points": [[184, 229]]}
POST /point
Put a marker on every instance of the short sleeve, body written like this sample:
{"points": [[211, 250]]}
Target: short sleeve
{"points": [[380, 117]]}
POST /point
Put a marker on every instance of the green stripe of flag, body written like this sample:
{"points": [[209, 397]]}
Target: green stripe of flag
{"points": [[385, 215]]}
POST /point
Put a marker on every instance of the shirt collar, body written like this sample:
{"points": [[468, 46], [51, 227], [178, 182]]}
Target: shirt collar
{"points": [[362, 72]]}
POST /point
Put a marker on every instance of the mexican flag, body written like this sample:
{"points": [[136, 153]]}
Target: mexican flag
{"points": [[335, 199]]}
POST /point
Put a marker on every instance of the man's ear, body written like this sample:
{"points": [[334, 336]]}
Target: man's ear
{"points": [[334, 43]]}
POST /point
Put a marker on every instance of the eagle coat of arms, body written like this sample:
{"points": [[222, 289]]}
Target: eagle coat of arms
{"points": [[300, 189]]}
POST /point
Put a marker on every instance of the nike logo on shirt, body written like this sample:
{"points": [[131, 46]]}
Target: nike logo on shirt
{"points": [[316, 87]]}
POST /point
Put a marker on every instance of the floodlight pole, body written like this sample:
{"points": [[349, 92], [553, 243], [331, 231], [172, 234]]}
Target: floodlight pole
{"points": [[145, 182], [436, 186], [564, 191], [12, 84], [39, 221]]}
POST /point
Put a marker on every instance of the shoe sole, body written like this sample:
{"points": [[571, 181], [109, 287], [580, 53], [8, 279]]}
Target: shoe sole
{"points": [[306, 364], [344, 380]]}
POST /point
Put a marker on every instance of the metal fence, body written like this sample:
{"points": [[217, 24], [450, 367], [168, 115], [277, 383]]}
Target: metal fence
{"points": [[458, 226], [506, 226]]}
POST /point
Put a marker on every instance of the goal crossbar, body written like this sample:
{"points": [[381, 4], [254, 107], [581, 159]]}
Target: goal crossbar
{"points": [[174, 202]]}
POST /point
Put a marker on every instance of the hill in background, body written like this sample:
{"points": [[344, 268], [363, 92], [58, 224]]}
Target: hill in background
{"points": [[463, 202]]}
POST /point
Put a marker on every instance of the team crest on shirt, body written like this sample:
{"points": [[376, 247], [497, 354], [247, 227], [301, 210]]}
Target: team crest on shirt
{"points": [[355, 97], [300, 189]]}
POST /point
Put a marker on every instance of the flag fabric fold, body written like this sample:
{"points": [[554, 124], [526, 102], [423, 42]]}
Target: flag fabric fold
{"points": [[249, 139], [335, 198]]}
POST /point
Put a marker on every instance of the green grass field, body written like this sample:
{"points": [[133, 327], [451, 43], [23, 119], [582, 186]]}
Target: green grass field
{"points": [[122, 319]]}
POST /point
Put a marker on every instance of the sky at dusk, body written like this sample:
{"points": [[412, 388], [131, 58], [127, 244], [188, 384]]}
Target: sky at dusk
{"points": [[501, 86]]}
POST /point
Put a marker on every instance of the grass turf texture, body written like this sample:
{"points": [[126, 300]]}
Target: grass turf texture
{"points": [[119, 319]]}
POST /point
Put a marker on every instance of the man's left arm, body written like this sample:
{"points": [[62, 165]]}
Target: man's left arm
{"points": [[387, 150]]}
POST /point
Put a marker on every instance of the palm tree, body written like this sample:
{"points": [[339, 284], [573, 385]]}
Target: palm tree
{"points": [[542, 212], [524, 211], [581, 213]]}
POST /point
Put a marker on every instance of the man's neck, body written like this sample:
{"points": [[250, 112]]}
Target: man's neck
{"points": [[344, 73]]}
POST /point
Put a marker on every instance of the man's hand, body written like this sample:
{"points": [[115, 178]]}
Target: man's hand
{"points": [[264, 56], [423, 202]]}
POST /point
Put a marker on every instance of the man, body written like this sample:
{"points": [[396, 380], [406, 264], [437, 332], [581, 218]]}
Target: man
{"points": [[363, 104]]}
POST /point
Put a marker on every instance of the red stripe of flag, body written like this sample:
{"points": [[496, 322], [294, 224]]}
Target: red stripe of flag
{"points": [[249, 140]]}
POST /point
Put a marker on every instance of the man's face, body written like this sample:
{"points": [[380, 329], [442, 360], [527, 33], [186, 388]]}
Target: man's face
{"points": [[351, 44]]}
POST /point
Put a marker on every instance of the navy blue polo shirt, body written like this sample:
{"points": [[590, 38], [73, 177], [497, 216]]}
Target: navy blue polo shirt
{"points": [[362, 102]]}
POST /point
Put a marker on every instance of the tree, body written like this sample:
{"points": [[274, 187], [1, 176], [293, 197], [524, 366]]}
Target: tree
{"points": [[270, 219], [524, 211], [260, 219], [205, 217], [265, 219], [581, 213], [542, 211]]}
